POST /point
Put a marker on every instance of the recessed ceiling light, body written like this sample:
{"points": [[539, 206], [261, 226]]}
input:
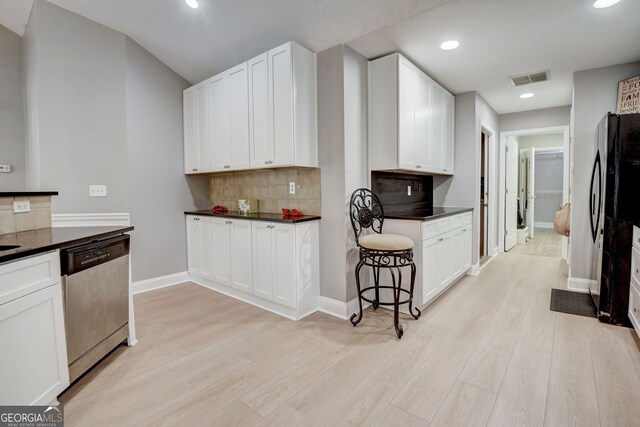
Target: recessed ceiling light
{"points": [[449, 45], [601, 4], [526, 95], [192, 3]]}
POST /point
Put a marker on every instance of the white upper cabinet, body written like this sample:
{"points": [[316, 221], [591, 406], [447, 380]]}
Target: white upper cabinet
{"points": [[411, 119], [282, 99], [196, 128], [261, 113]]}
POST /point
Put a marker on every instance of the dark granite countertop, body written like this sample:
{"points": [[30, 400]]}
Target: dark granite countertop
{"points": [[435, 213], [27, 193], [259, 216], [33, 242]]}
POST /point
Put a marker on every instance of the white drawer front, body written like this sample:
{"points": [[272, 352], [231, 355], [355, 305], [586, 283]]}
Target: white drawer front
{"points": [[28, 275], [467, 217], [634, 307], [455, 221], [636, 238], [444, 225], [635, 264], [429, 229]]}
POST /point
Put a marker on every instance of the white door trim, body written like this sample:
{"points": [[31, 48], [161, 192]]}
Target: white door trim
{"points": [[566, 183], [490, 178]]}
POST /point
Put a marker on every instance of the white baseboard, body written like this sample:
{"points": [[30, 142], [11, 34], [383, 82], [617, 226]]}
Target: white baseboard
{"points": [[332, 307], [90, 220], [577, 284], [474, 270], [159, 282], [543, 224]]}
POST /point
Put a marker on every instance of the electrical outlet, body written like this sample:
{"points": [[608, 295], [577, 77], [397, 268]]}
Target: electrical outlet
{"points": [[97, 191], [5, 168], [292, 187], [20, 206]]}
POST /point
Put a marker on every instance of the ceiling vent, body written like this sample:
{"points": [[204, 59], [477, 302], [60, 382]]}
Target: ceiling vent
{"points": [[525, 79]]}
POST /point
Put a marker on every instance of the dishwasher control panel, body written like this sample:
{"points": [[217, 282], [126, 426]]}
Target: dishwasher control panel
{"points": [[80, 258]]}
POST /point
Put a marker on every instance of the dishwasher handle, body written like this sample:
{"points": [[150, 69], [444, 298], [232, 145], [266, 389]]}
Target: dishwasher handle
{"points": [[80, 258]]}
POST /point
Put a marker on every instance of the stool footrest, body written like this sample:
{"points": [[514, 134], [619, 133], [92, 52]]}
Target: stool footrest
{"points": [[407, 301]]}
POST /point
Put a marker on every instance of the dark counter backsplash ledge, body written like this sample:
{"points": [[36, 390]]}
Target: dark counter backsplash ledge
{"points": [[258, 216], [27, 193]]}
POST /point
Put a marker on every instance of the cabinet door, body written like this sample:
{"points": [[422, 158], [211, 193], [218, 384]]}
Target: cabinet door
{"points": [[190, 123], [438, 108], [193, 245], [219, 120], [456, 253], [221, 251], [443, 258], [202, 102], [33, 368], [281, 103], [239, 117], [241, 256], [465, 248], [422, 122], [205, 247], [259, 128], [449, 136], [263, 257], [407, 87], [284, 283], [429, 269]]}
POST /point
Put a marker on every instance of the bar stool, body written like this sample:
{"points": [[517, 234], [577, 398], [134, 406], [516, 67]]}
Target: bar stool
{"points": [[378, 250]]}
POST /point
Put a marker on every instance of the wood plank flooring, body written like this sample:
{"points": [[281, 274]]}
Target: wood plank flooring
{"points": [[488, 352]]}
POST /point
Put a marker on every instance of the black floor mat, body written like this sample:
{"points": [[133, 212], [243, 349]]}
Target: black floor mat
{"points": [[572, 303]]}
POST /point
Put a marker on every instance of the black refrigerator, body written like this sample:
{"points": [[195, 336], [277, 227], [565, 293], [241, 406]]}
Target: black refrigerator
{"points": [[614, 209]]}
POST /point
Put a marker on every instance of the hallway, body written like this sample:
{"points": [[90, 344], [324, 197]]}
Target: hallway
{"points": [[546, 243]]}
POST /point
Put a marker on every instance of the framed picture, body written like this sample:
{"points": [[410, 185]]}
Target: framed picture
{"points": [[629, 96]]}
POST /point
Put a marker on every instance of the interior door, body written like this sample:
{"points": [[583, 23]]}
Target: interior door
{"points": [[511, 194], [531, 192]]}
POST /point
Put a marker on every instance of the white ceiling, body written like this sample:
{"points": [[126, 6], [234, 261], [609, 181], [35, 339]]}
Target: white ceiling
{"points": [[498, 37]]}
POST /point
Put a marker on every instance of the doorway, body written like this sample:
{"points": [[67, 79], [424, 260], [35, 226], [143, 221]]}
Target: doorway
{"points": [[541, 176], [484, 194]]}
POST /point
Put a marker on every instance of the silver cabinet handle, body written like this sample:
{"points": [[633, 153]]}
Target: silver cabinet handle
{"points": [[444, 170], [637, 271], [268, 162], [194, 170], [196, 219], [227, 166], [418, 166]]}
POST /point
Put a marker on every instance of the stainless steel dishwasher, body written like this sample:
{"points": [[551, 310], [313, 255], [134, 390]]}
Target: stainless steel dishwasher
{"points": [[95, 284]]}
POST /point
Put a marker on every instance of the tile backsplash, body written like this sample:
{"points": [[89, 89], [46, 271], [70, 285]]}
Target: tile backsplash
{"points": [[38, 217], [270, 187]]}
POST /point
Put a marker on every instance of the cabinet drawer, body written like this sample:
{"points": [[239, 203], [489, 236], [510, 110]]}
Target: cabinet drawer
{"points": [[455, 221], [429, 229], [444, 225], [28, 275], [467, 218], [635, 264], [636, 238], [634, 307]]}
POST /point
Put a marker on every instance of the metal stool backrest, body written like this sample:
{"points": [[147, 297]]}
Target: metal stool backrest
{"points": [[365, 212]]}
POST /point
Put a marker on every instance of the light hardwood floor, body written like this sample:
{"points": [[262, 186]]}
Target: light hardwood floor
{"points": [[488, 352]]}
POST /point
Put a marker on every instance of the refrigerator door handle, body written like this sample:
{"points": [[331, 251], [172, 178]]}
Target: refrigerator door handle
{"points": [[594, 208]]}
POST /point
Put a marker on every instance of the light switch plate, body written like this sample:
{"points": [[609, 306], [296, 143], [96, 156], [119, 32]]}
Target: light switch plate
{"points": [[292, 187], [21, 206], [97, 191], [5, 168]]}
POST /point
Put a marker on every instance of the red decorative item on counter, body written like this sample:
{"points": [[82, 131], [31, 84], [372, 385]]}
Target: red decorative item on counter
{"points": [[291, 213], [218, 210]]}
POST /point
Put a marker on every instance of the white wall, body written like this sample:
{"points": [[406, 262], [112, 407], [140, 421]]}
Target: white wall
{"points": [[594, 94], [342, 142], [12, 136], [78, 110], [541, 141], [535, 119], [102, 110], [463, 189]]}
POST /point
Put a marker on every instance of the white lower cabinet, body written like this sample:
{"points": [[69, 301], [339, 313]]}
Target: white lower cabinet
{"points": [[442, 252], [270, 264], [33, 362], [199, 246]]}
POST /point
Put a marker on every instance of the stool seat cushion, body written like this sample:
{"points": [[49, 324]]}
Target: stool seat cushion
{"points": [[386, 242]]}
